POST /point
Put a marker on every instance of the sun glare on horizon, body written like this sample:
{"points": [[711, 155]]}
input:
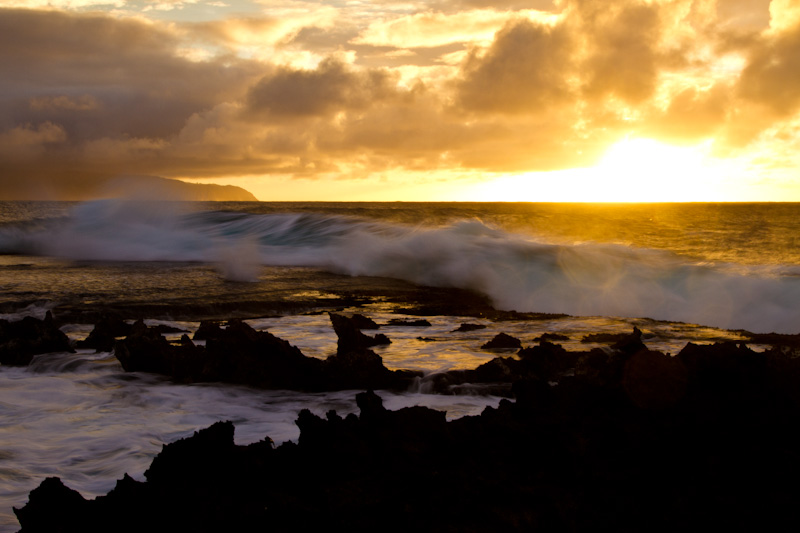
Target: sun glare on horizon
{"points": [[646, 170], [631, 170]]}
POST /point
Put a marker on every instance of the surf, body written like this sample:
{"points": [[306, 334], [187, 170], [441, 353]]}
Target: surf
{"points": [[521, 271]]}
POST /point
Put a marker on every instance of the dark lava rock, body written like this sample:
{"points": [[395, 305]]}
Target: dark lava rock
{"points": [[53, 507], [469, 327], [612, 338], [350, 336], [105, 333], [21, 340], [634, 440], [653, 380], [239, 354], [629, 344], [502, 340], [774, 339], [166, 330], [408, 323], [208, 329], [550, 337], [547, 360], [357, 369], [635, 455], [363, 322], [146, 350]]}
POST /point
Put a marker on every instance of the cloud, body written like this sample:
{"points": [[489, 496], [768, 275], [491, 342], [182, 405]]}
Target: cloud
{"points": [[303, 89], [264, 36], [85, 102], [619, 40], [430, 29], [784, 15], [61, 4], [29, 137], [329, 88], [527, 67], [772, 74], [692, 115]]}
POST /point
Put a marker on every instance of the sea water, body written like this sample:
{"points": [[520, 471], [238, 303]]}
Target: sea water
{"points": [[731, 266], [679, 272]]}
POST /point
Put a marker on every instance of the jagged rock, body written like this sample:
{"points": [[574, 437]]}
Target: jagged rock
{"points": [[782, 369], [359, 369], [146, 350], [208, 329], [370, 404], [53, 507], [653, 380], [350, 337], [363, 322], [469, 327], [408, 323], [21, 340], [105, 333], [565, 458], [547, 360], [239, 354], [628, 342], [502, 340], [550, 337]]}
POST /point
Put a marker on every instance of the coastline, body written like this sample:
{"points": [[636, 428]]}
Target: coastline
{"points": [[587, 437]]}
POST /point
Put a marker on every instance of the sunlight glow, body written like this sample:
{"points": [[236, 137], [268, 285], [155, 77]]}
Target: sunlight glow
{"points": [[636, 170], [632, 170]]}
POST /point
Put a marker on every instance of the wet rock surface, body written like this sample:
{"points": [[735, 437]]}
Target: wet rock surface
{"points": [[21, 340], [619, 438], [469, 327], [501, 341], [636, 441], [239, 354]]}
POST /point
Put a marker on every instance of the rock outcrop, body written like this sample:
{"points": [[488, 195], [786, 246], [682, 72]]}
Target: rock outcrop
{"points": [[239, 354], [636, 441], [21, 340]]}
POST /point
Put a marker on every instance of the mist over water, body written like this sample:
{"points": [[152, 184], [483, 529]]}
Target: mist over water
{"points": [[728, 266]]}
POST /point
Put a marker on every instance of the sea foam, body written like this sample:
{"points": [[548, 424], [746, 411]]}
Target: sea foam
{"points": [[516, 271]]}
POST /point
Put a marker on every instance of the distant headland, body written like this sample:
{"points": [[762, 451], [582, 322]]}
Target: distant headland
{"points": [[129, 186], [158, 188]]}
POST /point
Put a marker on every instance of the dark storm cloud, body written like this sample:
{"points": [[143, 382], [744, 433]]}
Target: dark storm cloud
{"points": [[103, 82], [329, 88], [99, 76]]}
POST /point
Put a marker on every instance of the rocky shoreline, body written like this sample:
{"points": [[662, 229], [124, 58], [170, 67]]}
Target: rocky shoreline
{"points": [[617, 438]]}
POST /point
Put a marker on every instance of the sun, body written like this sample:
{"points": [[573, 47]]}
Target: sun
{"points": [[631, 170], [646, 170]]}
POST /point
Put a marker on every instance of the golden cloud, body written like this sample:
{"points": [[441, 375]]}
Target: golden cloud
{"points": [[431, 29], [306, 92]]}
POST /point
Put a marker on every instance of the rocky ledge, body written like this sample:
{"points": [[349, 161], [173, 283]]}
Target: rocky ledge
{"points": [[617, 439]]}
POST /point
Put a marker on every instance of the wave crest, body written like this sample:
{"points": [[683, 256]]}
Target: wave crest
{"points": [[516, 271]]}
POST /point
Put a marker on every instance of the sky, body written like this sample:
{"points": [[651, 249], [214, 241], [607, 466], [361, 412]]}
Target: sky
{"points": [[443, 100]]}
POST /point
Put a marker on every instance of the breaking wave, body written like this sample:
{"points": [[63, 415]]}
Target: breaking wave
{"points": [[517, 271]]}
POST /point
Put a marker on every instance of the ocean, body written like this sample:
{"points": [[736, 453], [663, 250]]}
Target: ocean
{"points": [[678, 272]]}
